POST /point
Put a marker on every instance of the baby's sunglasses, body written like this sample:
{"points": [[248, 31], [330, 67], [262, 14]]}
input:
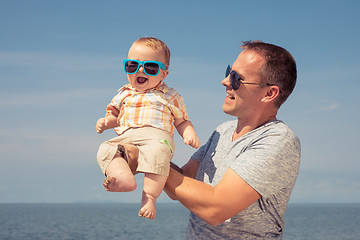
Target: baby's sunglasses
{"points": [[236, 79], [151, 68]]}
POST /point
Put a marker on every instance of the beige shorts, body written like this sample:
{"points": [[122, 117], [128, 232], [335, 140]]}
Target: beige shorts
{"points": [[155, 154]]}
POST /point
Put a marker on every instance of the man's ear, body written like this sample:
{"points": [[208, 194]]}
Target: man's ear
{"points": [[271, 94]]}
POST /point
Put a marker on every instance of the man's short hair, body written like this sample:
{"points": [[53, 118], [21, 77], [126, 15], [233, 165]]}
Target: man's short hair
{"points": [[279, 69]]}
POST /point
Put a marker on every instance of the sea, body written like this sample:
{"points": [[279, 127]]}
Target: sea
{"points": [[108, 221]]}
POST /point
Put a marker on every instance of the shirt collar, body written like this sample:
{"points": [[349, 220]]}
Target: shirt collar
{"points": [[162, 87]]}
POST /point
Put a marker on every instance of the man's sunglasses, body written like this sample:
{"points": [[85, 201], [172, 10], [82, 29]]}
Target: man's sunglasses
{"points": [[236, 79], [151, 68]]}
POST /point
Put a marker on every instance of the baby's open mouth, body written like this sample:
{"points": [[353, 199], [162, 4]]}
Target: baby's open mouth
{"points": [[141, 80]]}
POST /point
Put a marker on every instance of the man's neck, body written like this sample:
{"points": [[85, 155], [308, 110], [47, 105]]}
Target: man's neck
{"points": [[245, 126]]}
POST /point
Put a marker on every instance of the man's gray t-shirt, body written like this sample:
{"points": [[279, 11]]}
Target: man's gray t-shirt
{"points": [[267, 158]]}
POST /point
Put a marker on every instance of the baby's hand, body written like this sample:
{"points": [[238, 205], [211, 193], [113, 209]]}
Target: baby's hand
{"points": [[192, 141], [108, 122], [100, 125]]}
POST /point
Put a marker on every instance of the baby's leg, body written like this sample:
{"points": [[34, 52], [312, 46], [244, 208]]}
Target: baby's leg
{"points": [[119, 176], [153, 185]]}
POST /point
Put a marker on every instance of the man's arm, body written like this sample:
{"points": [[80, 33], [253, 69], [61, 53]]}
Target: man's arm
{"points": [[212, 204], [188, 170]]}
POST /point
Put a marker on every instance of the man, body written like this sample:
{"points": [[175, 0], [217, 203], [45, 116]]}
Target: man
{"points": [[238, 184]]}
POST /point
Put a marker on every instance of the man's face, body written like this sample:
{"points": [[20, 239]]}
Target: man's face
{"points": [[244, 102]]}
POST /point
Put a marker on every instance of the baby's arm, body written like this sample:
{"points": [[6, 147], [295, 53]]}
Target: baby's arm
{"points": [[106, 123], [187, 131], [109, 121]]}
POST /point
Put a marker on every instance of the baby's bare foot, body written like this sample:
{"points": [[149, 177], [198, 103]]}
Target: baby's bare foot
{"points": [[107, 181], [147, 214], [148, 209]]}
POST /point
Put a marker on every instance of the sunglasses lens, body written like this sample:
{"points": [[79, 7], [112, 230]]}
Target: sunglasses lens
{"points": [[151, 68], [235, 80], [228, 70], [131, 66]]}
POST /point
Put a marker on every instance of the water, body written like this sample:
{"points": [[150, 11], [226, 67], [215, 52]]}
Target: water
{"points": [[120, 221], [322, 221], [89, 221]]}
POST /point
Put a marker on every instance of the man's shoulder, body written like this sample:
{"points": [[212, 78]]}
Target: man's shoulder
{"points": [[282, 128], [278, 134]]}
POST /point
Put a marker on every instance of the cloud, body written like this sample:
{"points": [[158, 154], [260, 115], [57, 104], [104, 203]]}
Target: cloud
{"points": [[60, 60], [326, 188], [51, 98], [42, 145], [326, 106], [310, 103]]}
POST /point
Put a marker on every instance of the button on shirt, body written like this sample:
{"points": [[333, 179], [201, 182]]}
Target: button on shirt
{"points": [[157, 107]]}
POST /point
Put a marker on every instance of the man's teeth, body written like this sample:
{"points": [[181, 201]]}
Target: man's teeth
{"points": [[230, 96]]}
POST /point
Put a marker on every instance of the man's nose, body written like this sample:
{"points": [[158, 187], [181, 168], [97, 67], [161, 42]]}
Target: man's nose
{"points": [[226, 81]]}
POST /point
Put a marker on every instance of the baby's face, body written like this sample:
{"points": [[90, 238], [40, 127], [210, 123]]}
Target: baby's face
{"points": [[141, 81]]}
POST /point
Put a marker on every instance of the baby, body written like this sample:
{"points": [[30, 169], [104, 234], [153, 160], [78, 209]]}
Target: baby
{"points": [[144, 113]]}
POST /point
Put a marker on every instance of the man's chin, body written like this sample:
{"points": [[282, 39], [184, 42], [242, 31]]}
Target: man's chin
{"points": [[228, 111]]}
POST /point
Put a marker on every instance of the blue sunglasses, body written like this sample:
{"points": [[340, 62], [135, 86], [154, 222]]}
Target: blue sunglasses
{"points": [[151, 68]]}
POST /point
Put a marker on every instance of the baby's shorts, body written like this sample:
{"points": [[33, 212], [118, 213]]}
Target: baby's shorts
{"points": [[156, 149]]}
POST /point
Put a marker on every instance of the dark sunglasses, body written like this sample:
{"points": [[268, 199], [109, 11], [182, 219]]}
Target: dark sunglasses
{"points": [[151, 68], [236, 79]]}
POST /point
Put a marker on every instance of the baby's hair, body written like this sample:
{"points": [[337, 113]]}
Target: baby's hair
{"points": [[155, 44]]}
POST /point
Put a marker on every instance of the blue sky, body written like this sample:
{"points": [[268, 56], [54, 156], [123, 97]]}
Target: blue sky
{"points": [[61, 63]]}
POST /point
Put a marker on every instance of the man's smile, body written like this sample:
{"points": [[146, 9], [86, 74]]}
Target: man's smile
{"points": [[230, 96]]}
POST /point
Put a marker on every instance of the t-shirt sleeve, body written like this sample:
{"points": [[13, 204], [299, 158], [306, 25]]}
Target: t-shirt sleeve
{"points": [[269, 163], [200, 154]]}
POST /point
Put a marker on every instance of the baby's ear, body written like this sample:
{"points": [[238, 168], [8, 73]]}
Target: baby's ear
{"points": [[164, 74]]}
